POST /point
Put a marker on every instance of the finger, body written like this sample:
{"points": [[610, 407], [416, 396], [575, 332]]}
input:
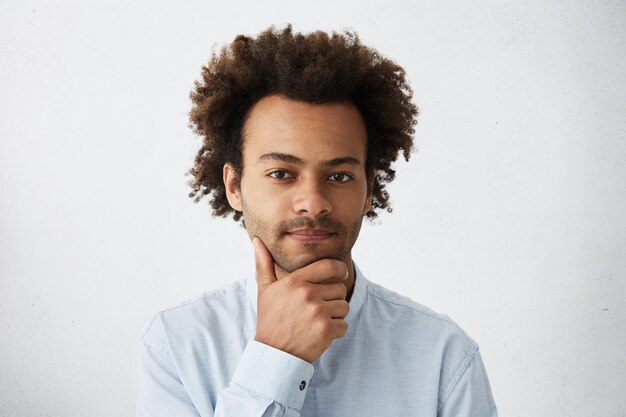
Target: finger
{"points": [[322, 270], [265, 272], [337, 309], [340, 327], [334, 291]]}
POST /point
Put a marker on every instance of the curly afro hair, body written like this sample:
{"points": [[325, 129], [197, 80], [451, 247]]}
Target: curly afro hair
{"points": [[316, 68]]}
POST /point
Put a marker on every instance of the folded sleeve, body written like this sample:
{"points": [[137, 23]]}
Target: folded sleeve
{"points": [[471, 396]]}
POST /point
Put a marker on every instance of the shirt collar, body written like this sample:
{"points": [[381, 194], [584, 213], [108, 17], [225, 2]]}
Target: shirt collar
{"points": [[356, 301]]}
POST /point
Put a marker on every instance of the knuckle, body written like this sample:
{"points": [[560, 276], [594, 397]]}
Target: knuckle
{"points": [[305, 294], [341, 290], [317, 310], [343, 328], [324, 326], [345, 308], [337, 291]]}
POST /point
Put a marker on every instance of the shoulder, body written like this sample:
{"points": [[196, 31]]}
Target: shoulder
{"points": [[399, 301], [424, 333], [418, 319], [222, 304]]}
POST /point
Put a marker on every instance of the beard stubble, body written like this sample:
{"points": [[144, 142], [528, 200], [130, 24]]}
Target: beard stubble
{"points": [[272, 235]]}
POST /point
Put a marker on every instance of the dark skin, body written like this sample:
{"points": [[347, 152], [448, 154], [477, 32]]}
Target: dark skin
{"points": [[303, 193]]}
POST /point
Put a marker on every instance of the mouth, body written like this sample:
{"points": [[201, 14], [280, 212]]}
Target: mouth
{"points": [[310, 234]]}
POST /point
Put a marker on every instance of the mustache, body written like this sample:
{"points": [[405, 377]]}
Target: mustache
{"points": [[325, 223]]}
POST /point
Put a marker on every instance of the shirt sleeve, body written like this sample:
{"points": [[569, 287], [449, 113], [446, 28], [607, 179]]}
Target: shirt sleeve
{"points": [[277, 379], [267, 382], [160, 391], [471, 397]]}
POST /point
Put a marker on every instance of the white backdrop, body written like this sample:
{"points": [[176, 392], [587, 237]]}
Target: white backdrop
{"points": [[509, 218]]}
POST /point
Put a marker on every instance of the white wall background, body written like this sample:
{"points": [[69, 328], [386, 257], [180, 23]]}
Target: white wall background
{"points": [[510, 218]]}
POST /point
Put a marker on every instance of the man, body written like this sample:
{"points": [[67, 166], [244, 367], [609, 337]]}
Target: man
{"points": [[300, 132]]}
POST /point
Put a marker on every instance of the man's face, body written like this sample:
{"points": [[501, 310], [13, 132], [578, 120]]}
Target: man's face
{"points": [[303, 188]]}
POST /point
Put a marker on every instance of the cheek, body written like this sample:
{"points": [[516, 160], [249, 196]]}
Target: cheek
{"points": [[262, 208], [351, 204], [264, 197]]}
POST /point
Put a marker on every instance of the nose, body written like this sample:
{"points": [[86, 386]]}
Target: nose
{"points": [[310, 200]]}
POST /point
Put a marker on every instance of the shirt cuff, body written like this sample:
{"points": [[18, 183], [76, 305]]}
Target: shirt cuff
{"points": [[273, 373]]}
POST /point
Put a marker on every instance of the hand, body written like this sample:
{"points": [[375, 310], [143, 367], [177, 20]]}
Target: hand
{"points": [[302, 313]]}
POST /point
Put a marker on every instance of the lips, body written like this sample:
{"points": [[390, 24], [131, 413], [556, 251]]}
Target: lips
{"points": [[310, 234]]}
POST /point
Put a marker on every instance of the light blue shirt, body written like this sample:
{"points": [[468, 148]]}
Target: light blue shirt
{"points": [[398, 358]]}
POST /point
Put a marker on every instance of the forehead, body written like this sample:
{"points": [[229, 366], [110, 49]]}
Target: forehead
{"points": [[310, 131]]}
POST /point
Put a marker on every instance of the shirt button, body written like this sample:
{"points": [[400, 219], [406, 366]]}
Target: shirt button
{"points": [[302, 385]]}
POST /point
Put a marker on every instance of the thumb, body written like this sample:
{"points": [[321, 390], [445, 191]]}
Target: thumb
{"points": [[265, 272]]}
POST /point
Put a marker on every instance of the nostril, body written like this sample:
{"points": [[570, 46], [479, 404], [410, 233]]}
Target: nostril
{"points": [[313, 206]]}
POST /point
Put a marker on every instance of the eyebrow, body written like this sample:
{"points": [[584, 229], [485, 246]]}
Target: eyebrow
{"points": [[340, 161], [292, 159]]}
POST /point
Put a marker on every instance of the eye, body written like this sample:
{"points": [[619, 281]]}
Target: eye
{"points": [[340, 177], [280, 174]]}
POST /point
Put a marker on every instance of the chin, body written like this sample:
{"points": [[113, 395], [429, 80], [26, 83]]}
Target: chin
{"points": [[291, 263], [296, 262]]}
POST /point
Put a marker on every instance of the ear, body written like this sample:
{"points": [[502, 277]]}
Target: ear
{"points": [[233, 193], [370, 192]]}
